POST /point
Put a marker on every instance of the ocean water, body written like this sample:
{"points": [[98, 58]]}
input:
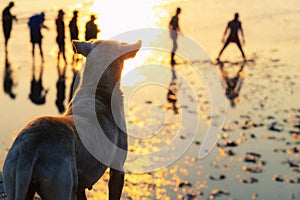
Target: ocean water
{"points": [[264, 120]]}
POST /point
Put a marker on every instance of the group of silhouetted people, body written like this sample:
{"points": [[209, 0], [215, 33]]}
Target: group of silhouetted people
{"points": [[91, 32], [233, 27], [36, 24], [232, 85], [38, 93]]}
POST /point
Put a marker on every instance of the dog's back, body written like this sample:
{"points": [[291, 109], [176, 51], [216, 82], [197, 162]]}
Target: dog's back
{"points": [[38, 157]]}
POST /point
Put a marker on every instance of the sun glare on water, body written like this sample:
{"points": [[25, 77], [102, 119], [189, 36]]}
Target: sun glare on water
{"points": [[116, 17]]}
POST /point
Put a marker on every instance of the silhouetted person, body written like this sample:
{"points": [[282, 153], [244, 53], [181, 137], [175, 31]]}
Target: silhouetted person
{"points": [[74, 32], [37, 92], [234, 27], [60, 38], [61, 89], [8, 80], [232, 85], [7, 21], [174, 29], [91, 29], [36, 23], [172, 93]]}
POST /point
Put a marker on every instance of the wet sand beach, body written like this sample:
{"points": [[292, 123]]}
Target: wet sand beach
{"points": [[257, 153]]}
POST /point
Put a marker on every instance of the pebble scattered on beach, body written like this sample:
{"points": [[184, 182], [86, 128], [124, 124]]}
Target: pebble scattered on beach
{"points": [[249, 180], [217, 193]]}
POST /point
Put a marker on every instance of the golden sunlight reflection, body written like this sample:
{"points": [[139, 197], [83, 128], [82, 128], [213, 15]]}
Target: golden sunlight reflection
{"points": [[116, 17]]}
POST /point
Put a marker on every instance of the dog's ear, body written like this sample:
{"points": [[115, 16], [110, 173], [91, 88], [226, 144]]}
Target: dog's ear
{"points": [[131, 49], [84, 48]]}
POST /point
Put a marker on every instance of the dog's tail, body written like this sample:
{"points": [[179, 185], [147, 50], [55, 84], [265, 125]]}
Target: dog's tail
{"points": [[18, 169]]}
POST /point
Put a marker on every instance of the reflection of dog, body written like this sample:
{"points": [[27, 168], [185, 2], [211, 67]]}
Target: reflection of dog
{"points": [[48, 156]]}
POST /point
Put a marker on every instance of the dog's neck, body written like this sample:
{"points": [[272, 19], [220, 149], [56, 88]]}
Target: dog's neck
{"points": [[108, 88], [106, 94]]}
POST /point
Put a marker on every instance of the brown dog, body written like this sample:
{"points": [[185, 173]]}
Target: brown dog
{"points": [[50, 157]]}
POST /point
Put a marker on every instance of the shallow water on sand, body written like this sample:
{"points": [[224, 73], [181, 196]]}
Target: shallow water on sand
{"points": [[257, 154]]}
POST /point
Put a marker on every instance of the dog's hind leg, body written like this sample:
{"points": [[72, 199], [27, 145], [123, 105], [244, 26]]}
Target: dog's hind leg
{"points": [[17, 173], [60, 183], [115, 185], [9, 182]]}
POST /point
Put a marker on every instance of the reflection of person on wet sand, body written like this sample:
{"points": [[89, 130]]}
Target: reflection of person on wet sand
{"points": [[36, 23], [61, 89], [75, 82], [232, 85], [172, 92], [8, 81], [234, 27], [174, 29], [37, 92], [7, 21]]}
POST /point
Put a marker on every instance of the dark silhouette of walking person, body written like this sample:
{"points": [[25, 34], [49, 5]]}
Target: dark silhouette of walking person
{"points": [[74, 32], [36, 23], [174, 29], [60, 38], [7, 21], [234, 26], [91, 29]]}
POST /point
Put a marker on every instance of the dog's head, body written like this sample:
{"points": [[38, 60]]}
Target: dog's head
{"points": [[105, 54]]}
